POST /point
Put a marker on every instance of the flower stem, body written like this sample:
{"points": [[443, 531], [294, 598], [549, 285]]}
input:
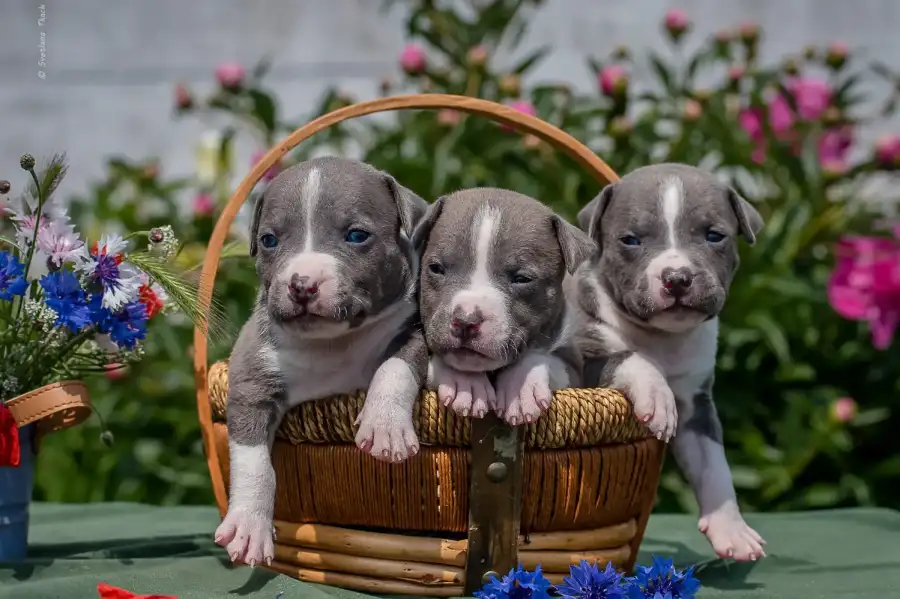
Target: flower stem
{"points": [[30, 255]]}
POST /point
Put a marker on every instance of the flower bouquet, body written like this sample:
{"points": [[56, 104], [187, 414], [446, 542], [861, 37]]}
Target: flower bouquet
{"points": [[69, 307]]}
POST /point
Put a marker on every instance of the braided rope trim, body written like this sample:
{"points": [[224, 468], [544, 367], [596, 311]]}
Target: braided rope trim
{"points": [[576, 418]]}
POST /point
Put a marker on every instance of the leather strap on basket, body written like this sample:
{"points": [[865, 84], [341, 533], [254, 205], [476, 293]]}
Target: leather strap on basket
{"points": [[53, 407], [496, 112]]}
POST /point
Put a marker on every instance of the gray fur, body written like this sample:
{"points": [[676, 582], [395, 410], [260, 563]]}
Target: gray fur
{"points": [[704, 418], [530, 240], [599, 371]]}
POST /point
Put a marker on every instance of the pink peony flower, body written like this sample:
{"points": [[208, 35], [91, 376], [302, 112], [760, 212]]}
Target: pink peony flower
{"points": [[735, 72], [272, 172], [865, 284], [676, 23], [812, 96], [613, 79], [412, 59], [449, 117], [887, 150], [834, 147], [844, 409], [230, 75], [204, 205]]}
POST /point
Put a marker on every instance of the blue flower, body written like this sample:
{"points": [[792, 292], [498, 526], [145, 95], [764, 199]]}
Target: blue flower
{"points": [[518, 584], [587, 581], [662, 581], [124, 327], [64, 295], [12, 277]]}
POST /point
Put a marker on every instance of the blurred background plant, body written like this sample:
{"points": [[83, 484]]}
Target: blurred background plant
{"points": [[808, 380]]}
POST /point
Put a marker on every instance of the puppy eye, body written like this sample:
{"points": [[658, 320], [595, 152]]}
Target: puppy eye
{"points": [[268, 241], [630, 240], [356, 236], [520, 279], [714, 236], [436, 268]]}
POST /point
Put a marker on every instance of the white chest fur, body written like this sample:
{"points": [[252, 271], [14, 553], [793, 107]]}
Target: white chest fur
{"points": [[321, 369]]}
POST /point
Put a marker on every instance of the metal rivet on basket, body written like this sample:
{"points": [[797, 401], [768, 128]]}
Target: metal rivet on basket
{"points": [[486, 578], [496, 472]]}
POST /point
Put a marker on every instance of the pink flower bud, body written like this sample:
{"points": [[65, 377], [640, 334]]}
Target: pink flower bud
{"points": [[230, 75], [613, 80], [523, 106], [836, 55], [204, 205], [844, 410], [272, 172], [412, 59], [449, 117], [677, 23], [115, 371], [748, 32], [183, 98], [693, 110], [477, 56], [887, 151], [736, 72]]}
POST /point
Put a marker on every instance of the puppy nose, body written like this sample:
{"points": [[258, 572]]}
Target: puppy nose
{"points": [[465, 325], [676, 282], [303, 290]]}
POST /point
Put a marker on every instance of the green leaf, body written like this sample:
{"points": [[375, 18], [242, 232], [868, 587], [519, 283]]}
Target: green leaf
{"points": [[773, 334], [264, 109], [531, 60], [661, 71]]}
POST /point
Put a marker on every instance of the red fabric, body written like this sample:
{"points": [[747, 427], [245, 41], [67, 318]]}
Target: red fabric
{"points": [[10, 454], [108, 591]]}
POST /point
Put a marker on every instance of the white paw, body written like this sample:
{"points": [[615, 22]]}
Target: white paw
{"points": [[731, 537], [466, 393], [523, 391], [386, 433], [654, 405], [248, 536], [385, 424]]}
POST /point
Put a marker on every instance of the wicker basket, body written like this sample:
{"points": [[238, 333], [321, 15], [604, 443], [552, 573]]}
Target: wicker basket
{"points": [[480, 496]]}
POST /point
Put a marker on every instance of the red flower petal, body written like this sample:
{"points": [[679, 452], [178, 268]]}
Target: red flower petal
{"points": [[10, 451]]}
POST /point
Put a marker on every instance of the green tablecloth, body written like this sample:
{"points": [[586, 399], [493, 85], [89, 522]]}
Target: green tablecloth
{"points": [[812, 555]]}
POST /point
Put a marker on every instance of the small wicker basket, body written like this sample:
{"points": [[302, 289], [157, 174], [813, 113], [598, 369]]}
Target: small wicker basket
{"points": [[480, 496]]}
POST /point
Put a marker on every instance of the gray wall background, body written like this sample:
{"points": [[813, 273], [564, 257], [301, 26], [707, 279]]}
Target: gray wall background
{"points": [[112, 64]]}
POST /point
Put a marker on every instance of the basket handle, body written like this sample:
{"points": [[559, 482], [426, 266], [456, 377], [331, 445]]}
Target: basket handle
{"points": [[492, 110]]}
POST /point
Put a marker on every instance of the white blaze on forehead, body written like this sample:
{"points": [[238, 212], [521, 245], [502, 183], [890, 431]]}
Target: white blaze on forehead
{"points": [[481, 292], [671, 196], [311, 192]]}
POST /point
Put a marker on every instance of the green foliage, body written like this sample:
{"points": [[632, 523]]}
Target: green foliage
{"points": [[785, 355]]}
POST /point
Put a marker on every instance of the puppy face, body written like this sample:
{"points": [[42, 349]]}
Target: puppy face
{"points": [[331, 238], [492, 269], [668, 243]]}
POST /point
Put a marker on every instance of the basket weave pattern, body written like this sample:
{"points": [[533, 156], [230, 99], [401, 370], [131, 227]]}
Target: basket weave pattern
{"points": [[576, 418]]}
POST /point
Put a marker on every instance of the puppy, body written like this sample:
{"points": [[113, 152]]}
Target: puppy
{"points": [[491, 302], [648, 306], [331, 238]]}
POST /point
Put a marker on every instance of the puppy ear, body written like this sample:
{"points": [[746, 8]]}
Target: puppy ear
{"points": [[423, 229], [410, 207], [589, 216], [575, 244], [254, 224], [750, 223]]}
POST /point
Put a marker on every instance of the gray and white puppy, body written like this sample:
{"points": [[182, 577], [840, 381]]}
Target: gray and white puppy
{"points": [[331, 238], [492, 305], [649, 302]]}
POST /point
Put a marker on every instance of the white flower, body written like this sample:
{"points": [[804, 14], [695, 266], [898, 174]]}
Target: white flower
{"points": [[104, 265], [58, 240]]}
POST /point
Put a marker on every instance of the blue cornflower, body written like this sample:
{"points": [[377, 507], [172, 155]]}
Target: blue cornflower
{"points": [[12, 277], [518, 584], [64, 295], [587, 581], [124, 327], [662, 581]]}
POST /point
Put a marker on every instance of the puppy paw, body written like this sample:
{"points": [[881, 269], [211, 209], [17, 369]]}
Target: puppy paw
{"points": [[248, 536], [523, 392], [466, 393], [654, 405], [385, 436], [731, 537], [385, 423]]}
